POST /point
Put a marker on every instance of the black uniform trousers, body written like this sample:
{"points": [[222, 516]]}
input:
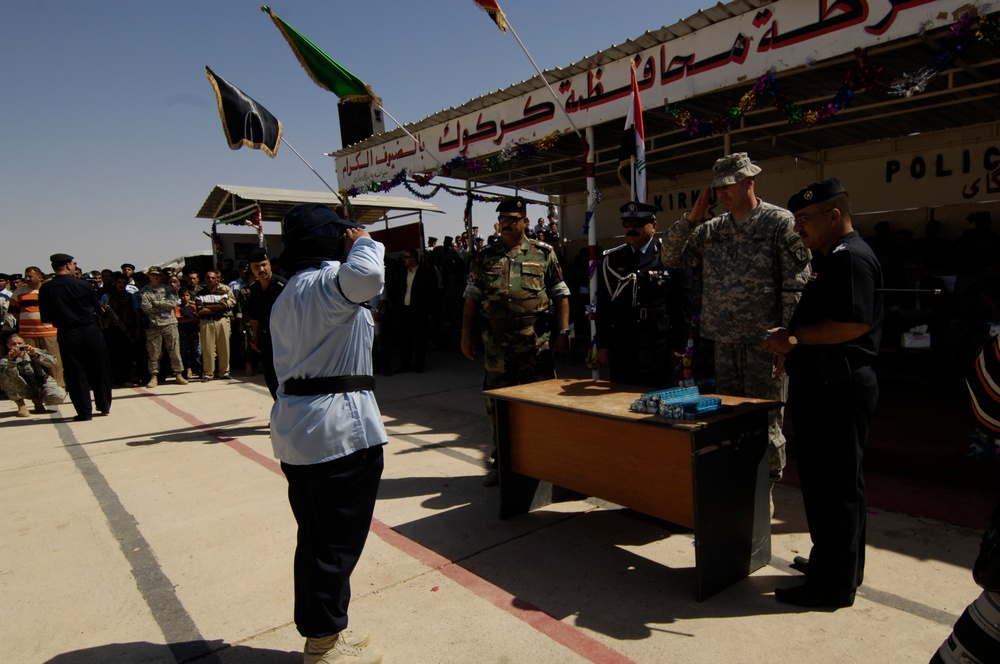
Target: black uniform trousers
{"points": [[86, 367], [333, 503], [413, 338], [831, 423], [267, 363]]}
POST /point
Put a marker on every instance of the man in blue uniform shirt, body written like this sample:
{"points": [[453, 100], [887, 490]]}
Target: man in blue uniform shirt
{"points": [[828, 350], [325, 424]]}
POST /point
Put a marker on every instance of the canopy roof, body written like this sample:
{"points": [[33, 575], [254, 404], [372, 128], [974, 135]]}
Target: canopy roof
{"points": [[963, 95], [226, 199]]}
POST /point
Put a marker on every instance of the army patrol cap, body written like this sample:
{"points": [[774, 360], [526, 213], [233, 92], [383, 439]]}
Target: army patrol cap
{"points": [[733, 168], [154, 270], [815, 193], [58, 260], [513, 204], [636, 210], [312, 220]]}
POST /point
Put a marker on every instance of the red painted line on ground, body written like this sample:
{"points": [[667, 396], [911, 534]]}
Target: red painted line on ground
{"points": [[567, 635]]}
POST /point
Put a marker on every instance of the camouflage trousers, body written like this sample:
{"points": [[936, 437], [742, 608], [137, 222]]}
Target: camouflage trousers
{"points": [[156, 339], [515, 363], [19, 387], [745, 370]]}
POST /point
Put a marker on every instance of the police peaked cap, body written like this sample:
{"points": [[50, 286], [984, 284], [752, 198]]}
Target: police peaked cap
{"points": [[513, 204], [312, 220], [637, 210], [815, 193], [59, 259], [129, 265]]}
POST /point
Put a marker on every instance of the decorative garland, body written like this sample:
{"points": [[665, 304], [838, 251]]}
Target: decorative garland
{"points": [[862, 76]]}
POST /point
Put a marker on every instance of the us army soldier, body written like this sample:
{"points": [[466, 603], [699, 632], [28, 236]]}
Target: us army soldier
{"points": [[753, 265]]}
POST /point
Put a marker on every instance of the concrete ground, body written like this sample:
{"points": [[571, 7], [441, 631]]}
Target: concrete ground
{"points": [[162, 534]]}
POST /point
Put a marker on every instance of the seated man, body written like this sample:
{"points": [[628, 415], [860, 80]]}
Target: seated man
{"points": [[23, 376]]}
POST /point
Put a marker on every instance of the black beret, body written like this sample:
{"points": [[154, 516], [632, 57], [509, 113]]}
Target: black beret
{"points": [[513, 204], [59, 259], [257, 256], [312, 220], [815, 193], [637, 210]]}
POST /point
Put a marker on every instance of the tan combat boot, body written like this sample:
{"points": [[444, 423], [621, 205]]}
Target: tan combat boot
{"points": [[343, 648], [152, 382], [22, 408], [179, 377]]}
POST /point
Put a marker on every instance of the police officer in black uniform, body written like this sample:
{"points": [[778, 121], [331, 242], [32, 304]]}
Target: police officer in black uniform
{"points": [[643, 310], [71, 305], [828, 350]]}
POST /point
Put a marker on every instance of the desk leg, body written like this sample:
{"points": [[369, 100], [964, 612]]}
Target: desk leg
{"points": [[732, 524], [517, 492]]}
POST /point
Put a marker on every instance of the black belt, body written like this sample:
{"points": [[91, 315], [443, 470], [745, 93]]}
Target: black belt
{"points": [[306, 387]]}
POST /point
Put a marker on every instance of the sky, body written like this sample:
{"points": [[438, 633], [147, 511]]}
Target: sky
{"points": [[112, 137]]}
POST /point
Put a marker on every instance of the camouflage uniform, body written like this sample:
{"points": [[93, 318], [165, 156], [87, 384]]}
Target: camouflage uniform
{"points": [[26, 378], [159, 304], [514, 290], [744, 268]]}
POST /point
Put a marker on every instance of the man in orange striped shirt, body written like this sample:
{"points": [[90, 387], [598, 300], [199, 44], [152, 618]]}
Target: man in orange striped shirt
{"points": [[24, 305]]}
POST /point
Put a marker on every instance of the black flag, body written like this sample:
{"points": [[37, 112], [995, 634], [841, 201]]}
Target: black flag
{"points": [[245, 121]]}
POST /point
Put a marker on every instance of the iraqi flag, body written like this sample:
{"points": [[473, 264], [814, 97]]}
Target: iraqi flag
{"points": [[245, 121], [633, 151]]}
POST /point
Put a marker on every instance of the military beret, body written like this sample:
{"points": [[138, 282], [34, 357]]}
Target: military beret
{"points": [[257, 256], [733, 168], [513, 204], [815, 193], [312, 220], [59, 259], [154, 270], [637, 210]]}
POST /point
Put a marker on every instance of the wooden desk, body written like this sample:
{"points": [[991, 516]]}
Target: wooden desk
{"points": [[710, 475]]}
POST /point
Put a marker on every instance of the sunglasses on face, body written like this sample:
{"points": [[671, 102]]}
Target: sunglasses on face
{"points": [[508, 218]]}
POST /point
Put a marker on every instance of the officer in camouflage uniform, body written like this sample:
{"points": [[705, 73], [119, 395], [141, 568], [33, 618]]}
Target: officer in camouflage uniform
{"points": [[159, 302], [513, 285], [748, 256]]}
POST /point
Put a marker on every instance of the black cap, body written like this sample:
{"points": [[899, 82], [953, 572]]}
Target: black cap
{"points": [[513, 204], [815, 193], [637, 210], [257, 256], [59, 260], [312, 220], [127, 265]]}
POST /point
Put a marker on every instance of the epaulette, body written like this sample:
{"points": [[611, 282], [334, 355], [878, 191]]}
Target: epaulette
{"points": [[539, 243]]}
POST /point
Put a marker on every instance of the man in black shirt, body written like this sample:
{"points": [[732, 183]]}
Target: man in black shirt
{"points": [[263, 292], [71, 305], [828, 350]]}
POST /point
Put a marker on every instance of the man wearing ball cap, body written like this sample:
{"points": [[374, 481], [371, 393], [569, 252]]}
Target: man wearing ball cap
{"points": [[325, 424], [828, 350]]}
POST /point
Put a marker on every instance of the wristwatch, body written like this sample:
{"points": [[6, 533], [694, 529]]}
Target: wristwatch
{"points": [[792, 339], [565, 332]]}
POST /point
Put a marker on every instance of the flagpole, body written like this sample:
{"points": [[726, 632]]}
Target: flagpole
{"points": [[400, 125], [592, 245], [542, 76], [292, 148]]}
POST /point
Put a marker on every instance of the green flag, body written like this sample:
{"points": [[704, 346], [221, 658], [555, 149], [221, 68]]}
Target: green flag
{"points": [[325, 71]]}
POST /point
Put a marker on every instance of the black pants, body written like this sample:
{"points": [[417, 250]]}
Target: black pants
{"points": [[267, 365], [333, 504], [413, 338], [86, 367], [831, 424]]}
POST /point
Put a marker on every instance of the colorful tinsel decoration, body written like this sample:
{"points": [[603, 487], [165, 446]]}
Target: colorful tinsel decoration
{"points": [[863, 76]]}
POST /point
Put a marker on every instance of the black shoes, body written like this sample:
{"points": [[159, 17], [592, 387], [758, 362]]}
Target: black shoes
{"points": [[812, 597], [800, 564], [82, 418]]}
